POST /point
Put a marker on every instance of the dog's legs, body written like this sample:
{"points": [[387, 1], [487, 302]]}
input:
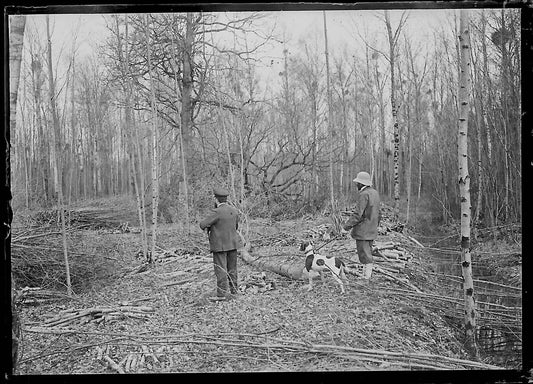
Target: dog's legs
{"points": [[342, 275], [338, 279], [312, 275], [310, 287]]}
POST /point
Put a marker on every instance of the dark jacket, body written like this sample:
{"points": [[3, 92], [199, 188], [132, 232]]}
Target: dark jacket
{"points": [[222, 224], [364, 222]]}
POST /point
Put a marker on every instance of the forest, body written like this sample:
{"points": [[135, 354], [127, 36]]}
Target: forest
{"points": [[118, 139]]}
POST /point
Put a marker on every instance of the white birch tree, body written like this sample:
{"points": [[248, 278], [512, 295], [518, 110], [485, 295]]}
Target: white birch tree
{"points": [[464, 181], [17, 25]]}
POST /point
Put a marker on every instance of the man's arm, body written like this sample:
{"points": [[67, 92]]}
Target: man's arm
{"points": [[357, 217], [209, 220]]}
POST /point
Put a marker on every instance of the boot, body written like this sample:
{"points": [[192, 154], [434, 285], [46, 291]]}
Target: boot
{"points": [[367, 271]]}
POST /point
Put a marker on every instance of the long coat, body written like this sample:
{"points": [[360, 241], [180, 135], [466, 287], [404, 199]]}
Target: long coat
{"points": [[222, 224], [364, 222]]}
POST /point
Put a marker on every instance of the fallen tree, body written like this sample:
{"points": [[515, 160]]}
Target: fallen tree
{"points": [[292, 271], [390, 259]]}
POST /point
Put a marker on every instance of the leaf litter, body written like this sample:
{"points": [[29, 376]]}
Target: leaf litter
{"points": [[274, 324]]}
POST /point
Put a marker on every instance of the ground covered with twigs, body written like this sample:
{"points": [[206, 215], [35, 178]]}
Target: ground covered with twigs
{"points": [[131, 317]]}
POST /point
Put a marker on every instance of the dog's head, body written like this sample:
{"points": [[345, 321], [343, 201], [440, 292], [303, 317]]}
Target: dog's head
{"points": [[306, 246]]}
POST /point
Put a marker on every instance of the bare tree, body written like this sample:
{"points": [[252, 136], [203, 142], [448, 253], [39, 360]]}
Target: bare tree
{"points": [[17, 25], [181, 143], [155, 176], [330, 118], [56, 151], [464, 181], [393, 41]]}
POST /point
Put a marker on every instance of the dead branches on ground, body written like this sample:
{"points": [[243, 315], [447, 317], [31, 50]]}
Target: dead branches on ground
{"points": [[37, 295], [268, 344], [97, 315]]}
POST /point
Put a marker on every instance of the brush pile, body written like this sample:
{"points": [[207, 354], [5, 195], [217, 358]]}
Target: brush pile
{"points": [[38, 254], [75, 317], [37, 257], [142, 358], [37, 295]]}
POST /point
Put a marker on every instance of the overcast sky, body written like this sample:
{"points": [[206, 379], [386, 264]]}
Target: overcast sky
{"points": [[297, 24], [344, 28]]}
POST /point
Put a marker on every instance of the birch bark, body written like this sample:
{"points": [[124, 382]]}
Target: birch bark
{"points": [[464, 182]]}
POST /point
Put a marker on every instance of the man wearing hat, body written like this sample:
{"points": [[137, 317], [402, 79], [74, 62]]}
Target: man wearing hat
{"points": [[364, 222], [221, 225]]}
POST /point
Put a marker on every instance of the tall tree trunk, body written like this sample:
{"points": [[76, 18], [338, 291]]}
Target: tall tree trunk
{"points": [[383, 182], [56, 151], [409, 167], [491, 207], [420, 163], [314, 172], [16, 40], [396, 134], [464, 183], [74, 164], [181, 140], [25, 150], [330, 119], [187, 86], [17, 26], [505, 114], [186, 103], [155, 179], [136, 171], [344, 130], [480, 186], [36, 73]]}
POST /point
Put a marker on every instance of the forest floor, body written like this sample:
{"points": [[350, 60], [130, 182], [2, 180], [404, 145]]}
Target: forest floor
{"points": [[159, 319]]}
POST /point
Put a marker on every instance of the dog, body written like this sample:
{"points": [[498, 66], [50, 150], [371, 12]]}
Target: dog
{"points": [[316, 264]]}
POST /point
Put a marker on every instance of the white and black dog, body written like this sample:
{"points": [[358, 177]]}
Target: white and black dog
{"points": [[316, 264]]}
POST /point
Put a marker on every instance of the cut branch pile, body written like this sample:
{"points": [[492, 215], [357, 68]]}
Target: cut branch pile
{"points": [[142, 357], [37, 295], [165, 256], [114, 218], [97, 315], [37, 258]]}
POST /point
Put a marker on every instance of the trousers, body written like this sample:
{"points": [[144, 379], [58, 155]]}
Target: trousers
{"points": [[364, 251], [225, 271]]}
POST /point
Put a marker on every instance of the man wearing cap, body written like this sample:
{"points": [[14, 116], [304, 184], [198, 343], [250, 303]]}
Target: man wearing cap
{"points": [[364, 222], [221, 225]]}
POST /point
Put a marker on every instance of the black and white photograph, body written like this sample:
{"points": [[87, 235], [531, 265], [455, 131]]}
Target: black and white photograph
{"points": [[259, 188]]}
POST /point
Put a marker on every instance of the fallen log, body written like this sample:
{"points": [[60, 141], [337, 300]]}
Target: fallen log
{"points": [[293, 271]]}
